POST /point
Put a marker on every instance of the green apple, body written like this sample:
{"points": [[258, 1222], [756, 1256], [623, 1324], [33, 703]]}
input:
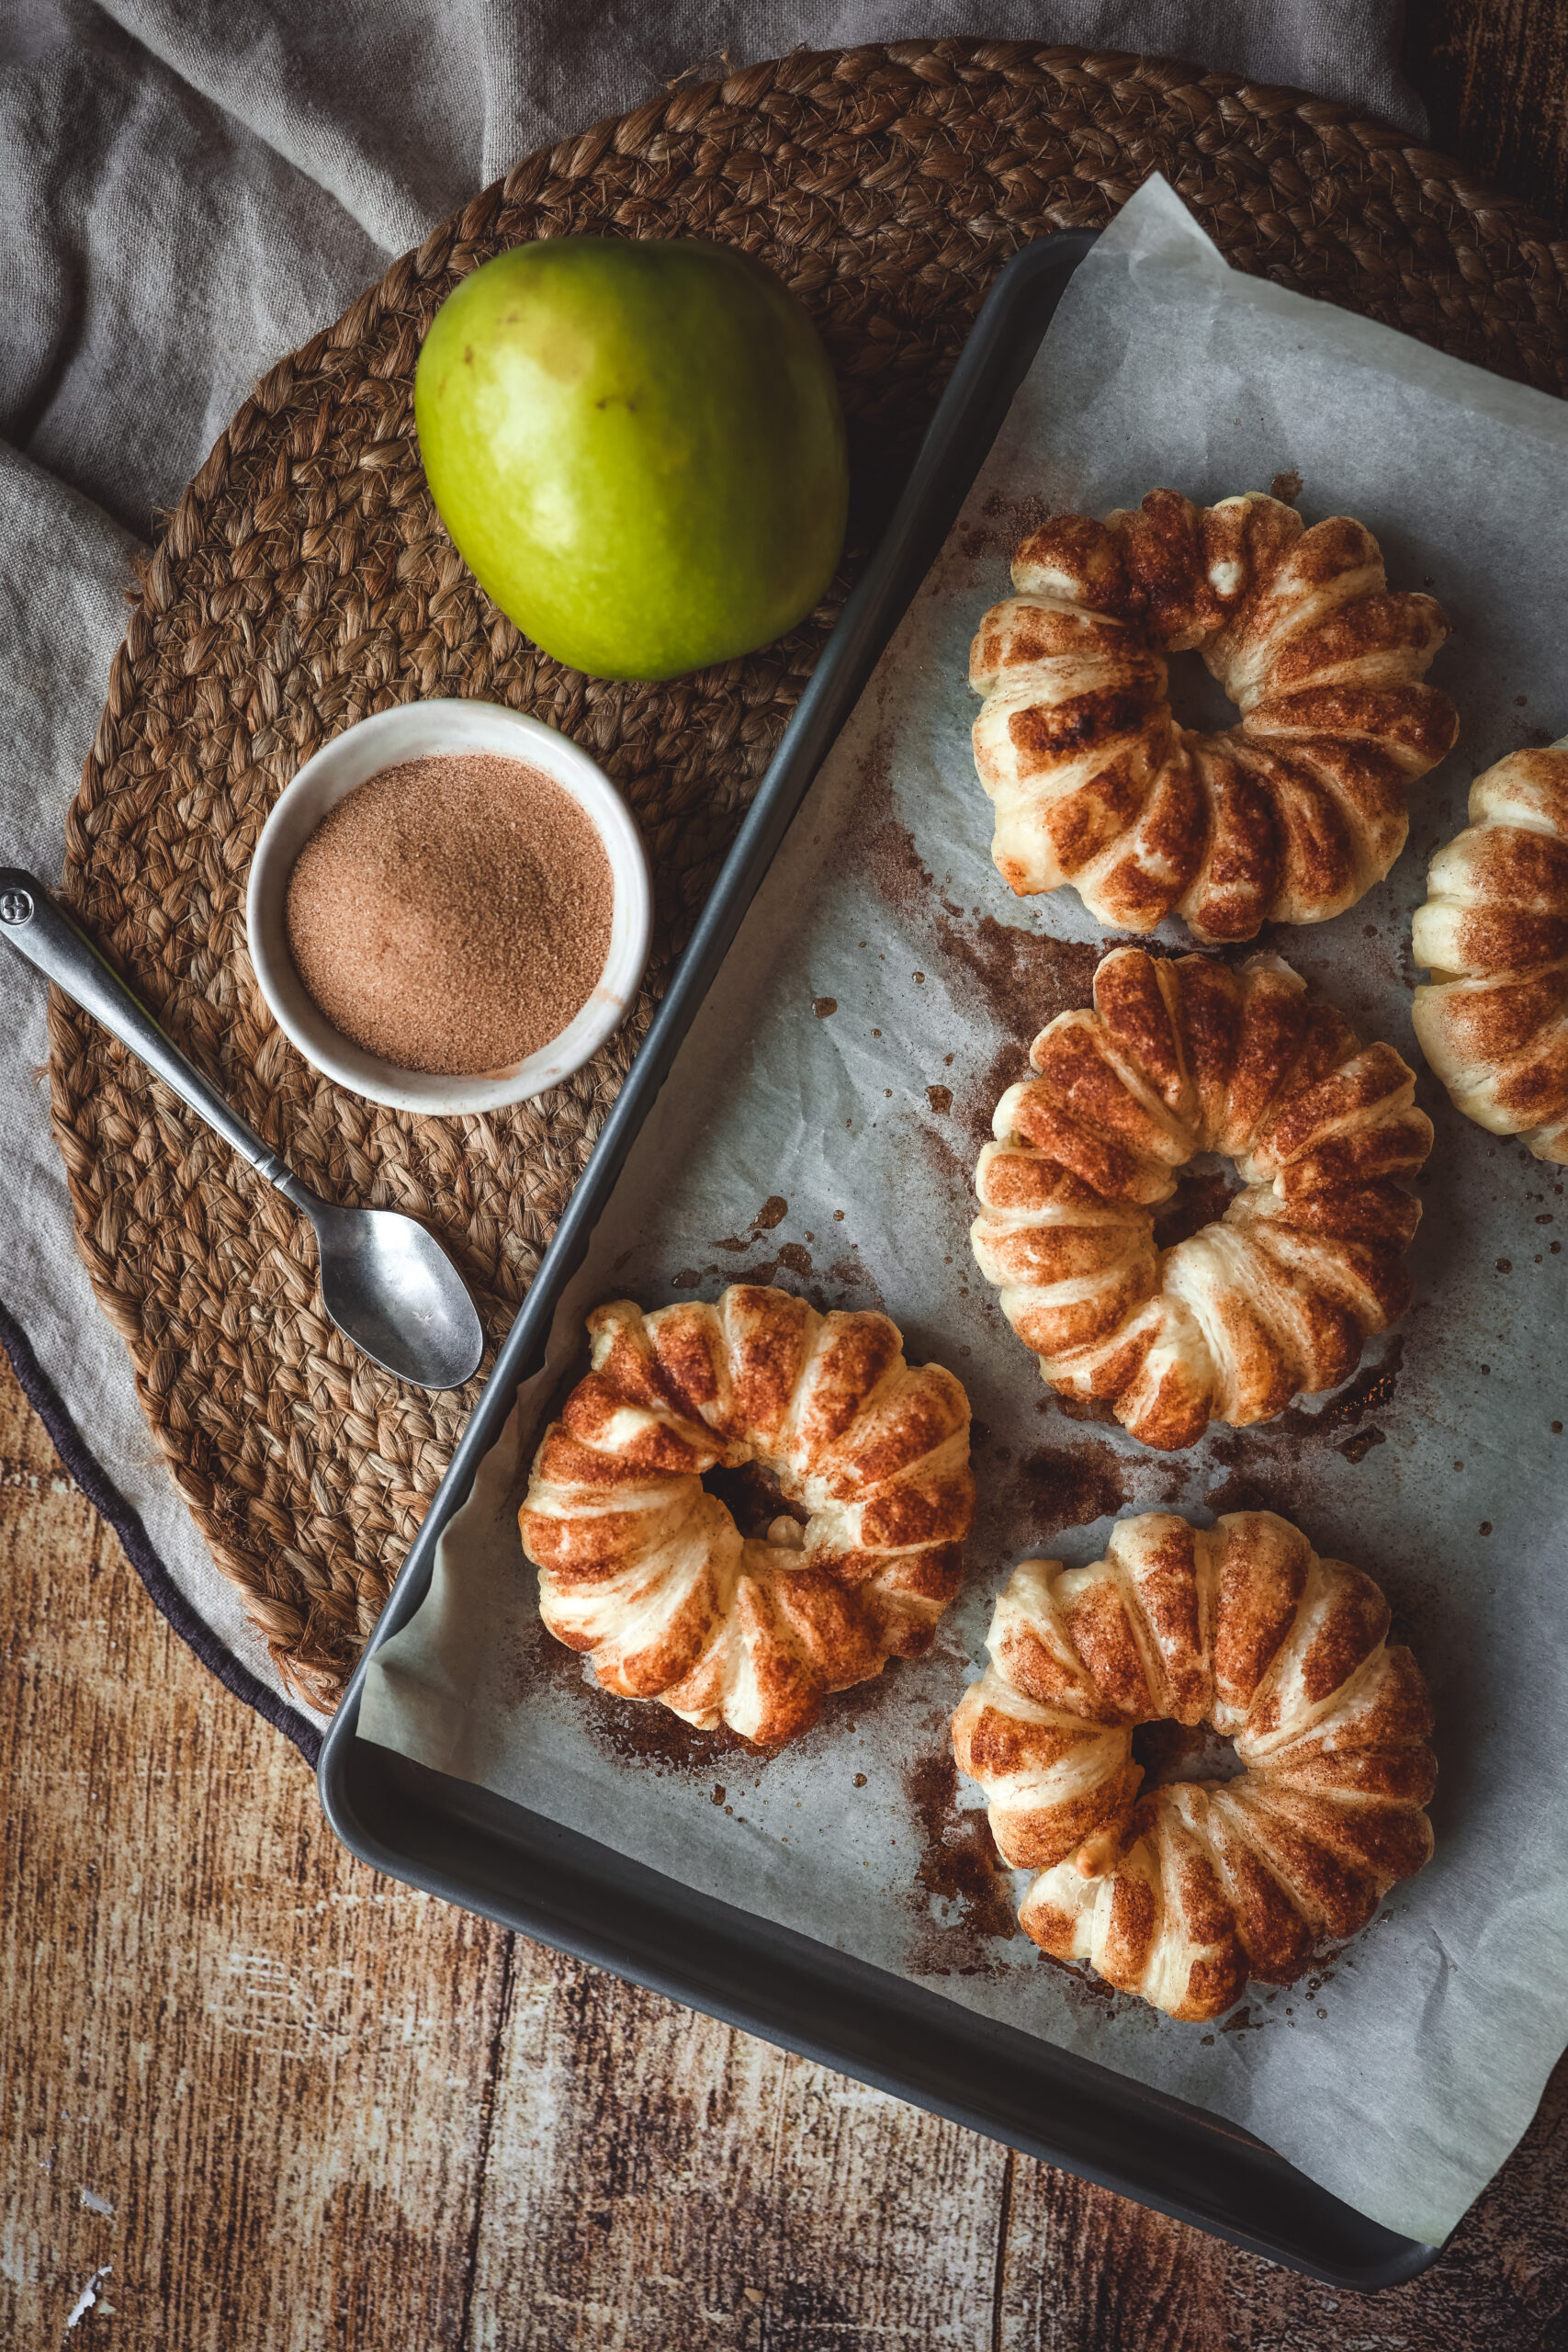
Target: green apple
{"points": [[637, 448]]}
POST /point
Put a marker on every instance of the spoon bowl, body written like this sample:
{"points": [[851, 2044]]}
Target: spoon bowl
{"points": [[391, 1288]]}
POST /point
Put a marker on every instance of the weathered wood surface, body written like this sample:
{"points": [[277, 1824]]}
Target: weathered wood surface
{"points": [[1494, 77], [293, 2105]]}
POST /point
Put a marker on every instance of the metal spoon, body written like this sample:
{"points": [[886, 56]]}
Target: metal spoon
{"points": [[387, 1283]]}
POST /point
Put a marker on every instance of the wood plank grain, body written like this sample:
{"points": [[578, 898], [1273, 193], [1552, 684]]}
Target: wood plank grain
{"points": [[1083, 2271], [1500, 2284], [237, 2068], [1494, 77], [658, 2180]]}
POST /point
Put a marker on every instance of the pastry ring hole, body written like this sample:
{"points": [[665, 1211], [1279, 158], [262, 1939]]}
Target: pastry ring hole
{"points": [[1171, 1752], [763, 1513], [1205, 1186], [1198, 701]]}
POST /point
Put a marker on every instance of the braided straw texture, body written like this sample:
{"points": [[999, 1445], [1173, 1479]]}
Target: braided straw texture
{"points": [[305, 581]]}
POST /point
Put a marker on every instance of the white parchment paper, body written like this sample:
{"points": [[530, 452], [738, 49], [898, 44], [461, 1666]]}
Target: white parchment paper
{"points": [[820, 1129]]}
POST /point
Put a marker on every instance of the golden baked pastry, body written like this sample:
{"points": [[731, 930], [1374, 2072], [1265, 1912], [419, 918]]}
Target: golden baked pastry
{"points": [[645, 1569], [1492, 1020], [1273, 1298], [1288, 817], [1182, 1893]]}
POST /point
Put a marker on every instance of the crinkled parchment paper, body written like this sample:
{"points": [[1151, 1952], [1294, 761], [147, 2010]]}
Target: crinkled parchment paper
{"points": [[820, 1129]]}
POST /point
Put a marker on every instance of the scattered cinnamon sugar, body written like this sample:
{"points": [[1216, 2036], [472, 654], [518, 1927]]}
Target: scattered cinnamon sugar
{"points": [[1057, 1488], [1025, 976], [1273, 1466], [452, 914], [886, 847], [960, 1865]]}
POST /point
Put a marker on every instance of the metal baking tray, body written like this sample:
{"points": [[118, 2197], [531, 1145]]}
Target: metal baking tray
{"points": [[496, 1857]]}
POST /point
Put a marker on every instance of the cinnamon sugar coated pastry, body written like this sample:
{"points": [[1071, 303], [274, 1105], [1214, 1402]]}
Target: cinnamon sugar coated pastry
{"points": [[1182, 1893], [1273, 1298], [1288, 817], [1493, 1020], [647, 1571]]}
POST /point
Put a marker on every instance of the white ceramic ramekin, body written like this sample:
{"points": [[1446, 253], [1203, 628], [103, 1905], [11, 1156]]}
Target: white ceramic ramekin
{"points": [[423, 730]]}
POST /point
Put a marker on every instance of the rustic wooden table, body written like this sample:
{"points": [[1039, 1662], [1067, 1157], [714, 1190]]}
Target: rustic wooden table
{"points": [[254, 2097]]}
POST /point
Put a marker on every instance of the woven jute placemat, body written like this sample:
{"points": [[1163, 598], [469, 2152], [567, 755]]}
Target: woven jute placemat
{"points": [[306, 580]]}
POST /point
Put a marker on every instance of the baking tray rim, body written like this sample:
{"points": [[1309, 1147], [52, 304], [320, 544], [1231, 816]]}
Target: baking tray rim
{"points": [[1342, 2246]]}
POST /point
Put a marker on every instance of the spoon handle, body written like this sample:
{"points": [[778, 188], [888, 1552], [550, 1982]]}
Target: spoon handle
{"points": [[42, 930]]}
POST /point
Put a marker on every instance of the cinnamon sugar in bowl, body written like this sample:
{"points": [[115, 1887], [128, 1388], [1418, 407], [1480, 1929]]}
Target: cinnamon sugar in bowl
{"points": [[448, 908]]}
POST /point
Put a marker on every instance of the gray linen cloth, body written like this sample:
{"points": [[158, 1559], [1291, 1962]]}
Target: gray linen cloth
{"points": [[188, 191]]}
